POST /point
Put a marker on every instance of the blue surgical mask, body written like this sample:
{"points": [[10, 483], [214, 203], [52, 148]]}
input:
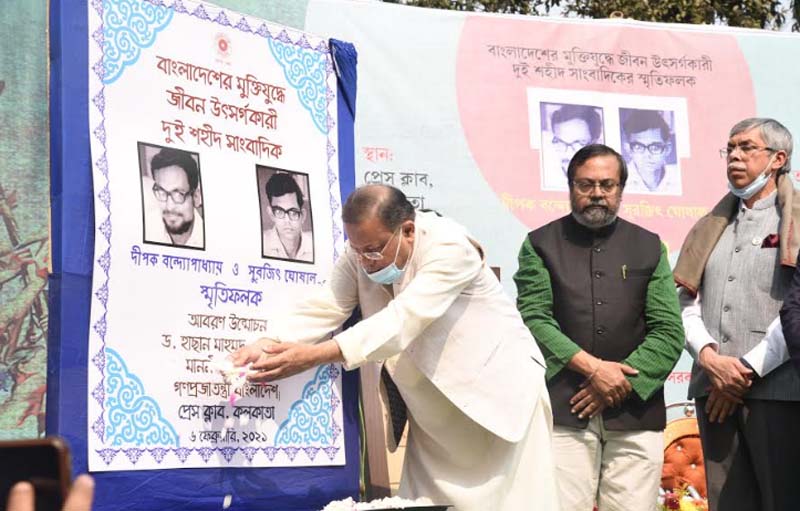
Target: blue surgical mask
{"points": [[755, 186], [390, 274]]}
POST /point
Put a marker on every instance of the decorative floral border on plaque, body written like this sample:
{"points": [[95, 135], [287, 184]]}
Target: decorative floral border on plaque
{"points": [[123, 48], [133, 416], [129, 26], [310, 416], [305, 68]]}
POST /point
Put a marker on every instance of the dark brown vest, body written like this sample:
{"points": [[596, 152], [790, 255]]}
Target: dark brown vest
{"points": [[601, 307]]}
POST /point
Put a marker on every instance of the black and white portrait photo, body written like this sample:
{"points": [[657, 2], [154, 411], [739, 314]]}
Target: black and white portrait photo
{"points": [[287, 230], [649, 148], [172, 196], [566, 128]]}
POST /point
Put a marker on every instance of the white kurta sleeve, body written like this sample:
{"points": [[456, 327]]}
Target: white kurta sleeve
{"points": [[324, 311], [444, 271], [697, 337], [771, 352]]}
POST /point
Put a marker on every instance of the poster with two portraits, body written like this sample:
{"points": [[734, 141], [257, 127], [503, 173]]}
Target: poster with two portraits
{"points": [[217, 204], [651, 133]]}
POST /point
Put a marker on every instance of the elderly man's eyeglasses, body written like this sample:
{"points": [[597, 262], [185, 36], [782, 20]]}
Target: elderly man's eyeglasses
{"points": [[656, 148], [376, 255], [564, 146], [745, 149], [177, 196], [280, 213], [586, 187]]}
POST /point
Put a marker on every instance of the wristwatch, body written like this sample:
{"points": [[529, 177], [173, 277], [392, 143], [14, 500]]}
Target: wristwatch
{"points": [[753, 375]]}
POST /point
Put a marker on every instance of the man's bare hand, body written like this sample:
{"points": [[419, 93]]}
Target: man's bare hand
{"points": [[587, 403], [610, 382], [287, 359], [721, 405], [252, 353], [727, 374]]}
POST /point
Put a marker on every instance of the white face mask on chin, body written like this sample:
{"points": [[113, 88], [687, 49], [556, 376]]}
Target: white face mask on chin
{"points": [[755, 186]]}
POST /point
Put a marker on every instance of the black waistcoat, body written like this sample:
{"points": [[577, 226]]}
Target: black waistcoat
{"points": [[599, 281]]}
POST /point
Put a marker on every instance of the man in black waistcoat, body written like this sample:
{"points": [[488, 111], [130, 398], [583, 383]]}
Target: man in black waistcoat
{"points": [[597, 293]]}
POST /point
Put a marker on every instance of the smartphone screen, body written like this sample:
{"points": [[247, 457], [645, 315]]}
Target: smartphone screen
{"points": [[42, 462]]}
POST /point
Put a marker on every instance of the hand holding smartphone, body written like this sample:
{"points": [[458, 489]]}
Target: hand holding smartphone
{"points": [[80, 497], [44, 463]]}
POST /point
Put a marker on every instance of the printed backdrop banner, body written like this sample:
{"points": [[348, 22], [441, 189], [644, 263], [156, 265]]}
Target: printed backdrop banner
{"points": [[24, 218], [217, 199], [478, 114]]}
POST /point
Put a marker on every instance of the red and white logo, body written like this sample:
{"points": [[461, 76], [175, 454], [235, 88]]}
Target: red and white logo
{"points": [[223, 45]]}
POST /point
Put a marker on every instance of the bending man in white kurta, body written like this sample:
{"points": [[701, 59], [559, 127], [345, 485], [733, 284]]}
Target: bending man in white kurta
{"points": [[467, 368]]}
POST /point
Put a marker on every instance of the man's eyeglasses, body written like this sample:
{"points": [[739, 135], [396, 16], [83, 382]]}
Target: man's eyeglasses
{"points": [[745, 149], [564, 146], [656, 148], [606, 186], [177, 196], [376, 255], [280, 213]]}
